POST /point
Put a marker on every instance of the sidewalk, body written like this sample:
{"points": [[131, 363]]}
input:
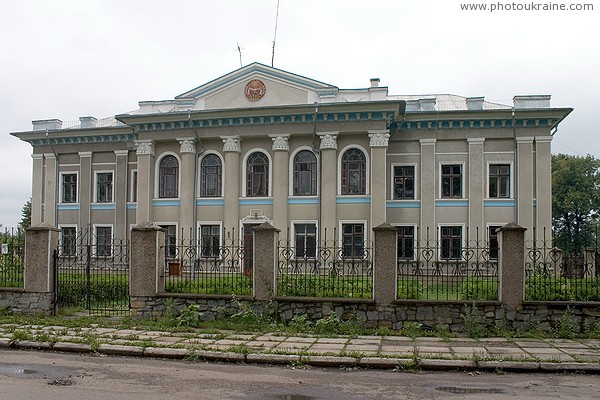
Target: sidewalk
{"points": [[389, 352]]}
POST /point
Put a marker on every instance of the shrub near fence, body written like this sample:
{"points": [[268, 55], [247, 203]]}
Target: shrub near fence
{"points": [[449, 270], [12, 245]]}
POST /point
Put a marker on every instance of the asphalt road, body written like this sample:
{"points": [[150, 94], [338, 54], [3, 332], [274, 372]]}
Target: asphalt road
{"points": [[55, 376]]}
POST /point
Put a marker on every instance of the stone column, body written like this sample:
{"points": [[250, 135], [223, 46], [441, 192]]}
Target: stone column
{"points": [[543, 185], [86, 183], [525, 185], [187, 189], [281, 148], [428, 187], [37, 202], [378, 141], [232, 184], [476, 189], [511, 265], [329, 184], [40, 242], [146, 265], [50, 187], [265, 261], [384, 263], [120, 192], [145, 190]]}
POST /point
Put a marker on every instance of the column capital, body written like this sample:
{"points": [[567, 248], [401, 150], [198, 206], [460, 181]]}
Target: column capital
{"points": [[121, 152], [231, 143], [543, 139], [37, 156], [475, 140], [525, 140], [427, 141], [280, 142], [85, 154], [144, 147], [328, 140], [379, 138], [187, 145]]}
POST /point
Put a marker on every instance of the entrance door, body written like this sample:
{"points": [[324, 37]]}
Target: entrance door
{"points": [[248, 238]]}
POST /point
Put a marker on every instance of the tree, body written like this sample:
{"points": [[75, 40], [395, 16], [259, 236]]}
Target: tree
{"points": [[575, 200], [25, 215]]}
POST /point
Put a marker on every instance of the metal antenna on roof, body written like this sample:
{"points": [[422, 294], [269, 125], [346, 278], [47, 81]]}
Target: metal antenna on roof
{"points": [[275, 35], [240, 51]]}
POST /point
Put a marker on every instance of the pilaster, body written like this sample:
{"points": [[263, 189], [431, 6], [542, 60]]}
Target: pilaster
{"points": [[145, 190], [328, 215], [281, 148], [37, 201], [232, 184], [476, 189], [525, 187], [378, 141], [543, 184], [86, 182], [428, 185], [120, 192], [50, 189], [187, 193]]}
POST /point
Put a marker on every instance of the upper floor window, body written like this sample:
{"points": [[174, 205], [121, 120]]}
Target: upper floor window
{"points": [[210, 176], [404, 182], [354, 172], [104, 187], [499, 181], [69, 188], [257, 170], [452, 181], [168, 177], [305, 173]]}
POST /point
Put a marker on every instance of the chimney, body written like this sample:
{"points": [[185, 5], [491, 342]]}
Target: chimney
{"points": [[374, 82], [474, 103], [87, 122], [533, 101], [49, 124]]}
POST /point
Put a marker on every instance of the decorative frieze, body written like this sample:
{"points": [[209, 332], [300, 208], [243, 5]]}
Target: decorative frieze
{"points": [[231, 143], [188, 145], [144, 147], [280, 142], [328, 140], [379, 138]]}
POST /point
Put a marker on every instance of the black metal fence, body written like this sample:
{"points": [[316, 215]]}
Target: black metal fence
{"points": [[554, 274], [218, 264], [12, 257], [446, 265], [92, 273], [325, 269]]}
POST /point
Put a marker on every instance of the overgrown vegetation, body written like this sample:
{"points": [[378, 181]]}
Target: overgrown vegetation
{"points": [[239, 285], [74, 289], [552, 288], [473, 288], [330, 286]]}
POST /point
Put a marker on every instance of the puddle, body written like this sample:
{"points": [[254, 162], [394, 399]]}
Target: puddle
{"points": [[35, 371], [291, 397], [464, 390]]}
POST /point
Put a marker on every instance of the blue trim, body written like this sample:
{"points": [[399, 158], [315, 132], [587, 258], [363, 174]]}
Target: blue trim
{"points": [[404, 204], [475, 123], [353, 200], [303, 201], [499, 203], [82, 139], [132, 206], [256, 202], [64, 207], [103, 206], [452, 203], [165, 203], [210, 202]]}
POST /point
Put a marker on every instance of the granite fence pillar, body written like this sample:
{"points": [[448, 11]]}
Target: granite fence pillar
{"points": [[146, 265], [384, 263], [41, 241], [511, 265], [265, 261]]}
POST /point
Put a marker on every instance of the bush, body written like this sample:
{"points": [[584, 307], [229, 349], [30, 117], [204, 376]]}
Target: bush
{"points": [[410, 289], [479, 289]]}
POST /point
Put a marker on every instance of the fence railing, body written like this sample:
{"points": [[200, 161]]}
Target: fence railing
{"points": [[218, 267], [328, 269], [553, 274], [449, 268], [12, 253]]}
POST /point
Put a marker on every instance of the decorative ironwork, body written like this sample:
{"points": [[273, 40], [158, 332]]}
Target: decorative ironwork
{"points": [[12, 261]]}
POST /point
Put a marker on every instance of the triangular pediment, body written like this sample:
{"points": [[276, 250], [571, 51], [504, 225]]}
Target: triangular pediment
{"points": [[256, 85]]}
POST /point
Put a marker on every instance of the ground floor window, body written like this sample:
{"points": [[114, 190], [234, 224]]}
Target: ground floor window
{"points": [[170, 240], [406, 242], [210, 241], [305, 240], [68, 240], [103, 241], [353, 240], [451, 242], [493, 242]]}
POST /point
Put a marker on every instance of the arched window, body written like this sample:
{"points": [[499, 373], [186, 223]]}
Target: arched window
{"points": [[354, 173], [305, 173], [210, 176], [168, 177], [257, 175]]}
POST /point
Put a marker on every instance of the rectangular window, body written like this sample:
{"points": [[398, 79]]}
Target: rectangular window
{"points": [[406, 242], [170, 240], [493, 242], [353, 239], [68, 244], [499, 181], [404, 182], [134, 184], [104, 187], [210, 241], [103, 241], [69, 188], [305, 240], [452, 181], [451, 242]]}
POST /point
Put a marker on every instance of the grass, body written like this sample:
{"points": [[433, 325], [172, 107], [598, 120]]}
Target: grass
{"points": [[224, 284], [434, 288], [325, 286]]}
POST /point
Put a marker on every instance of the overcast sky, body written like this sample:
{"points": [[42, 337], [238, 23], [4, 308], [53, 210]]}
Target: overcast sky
{"points": [[77, 58]]}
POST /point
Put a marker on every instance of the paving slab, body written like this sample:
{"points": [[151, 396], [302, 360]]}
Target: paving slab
{"points": [[332, 340], [327, 347]]}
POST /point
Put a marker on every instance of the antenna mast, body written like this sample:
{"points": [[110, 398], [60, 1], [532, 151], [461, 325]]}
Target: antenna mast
{"points": [[275, 35], [240, 51]]}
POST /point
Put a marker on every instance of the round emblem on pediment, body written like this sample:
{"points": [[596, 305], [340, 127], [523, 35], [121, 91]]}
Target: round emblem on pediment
{"points": [[255, 90]]}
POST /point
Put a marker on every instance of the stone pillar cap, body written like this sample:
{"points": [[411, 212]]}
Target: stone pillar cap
{"points": [[265, 226], [44, 226], [386, 226], [147, 226], [511, 226]]}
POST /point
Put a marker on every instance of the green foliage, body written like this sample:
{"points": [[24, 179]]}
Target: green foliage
{"points": [[477, 288], [73, 290], [575, 200], [552, 288], [332, 286], [565, 328], [473, 324], [410, 289], [25, 215], [228, 284], [189, 317]]}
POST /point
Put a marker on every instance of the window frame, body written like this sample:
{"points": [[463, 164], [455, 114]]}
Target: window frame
{"points": [[489, 241], [294, 236], [462, 180], [133, 185], [342, 235], [73, 249], [201, 175], [97, 244], [343, 174], [219, 226], [414, 241], [161, 190], [489, 180], [247, 173], [170, 248], [97, 187], [453, 253], [393, 181], [62, 187]]}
